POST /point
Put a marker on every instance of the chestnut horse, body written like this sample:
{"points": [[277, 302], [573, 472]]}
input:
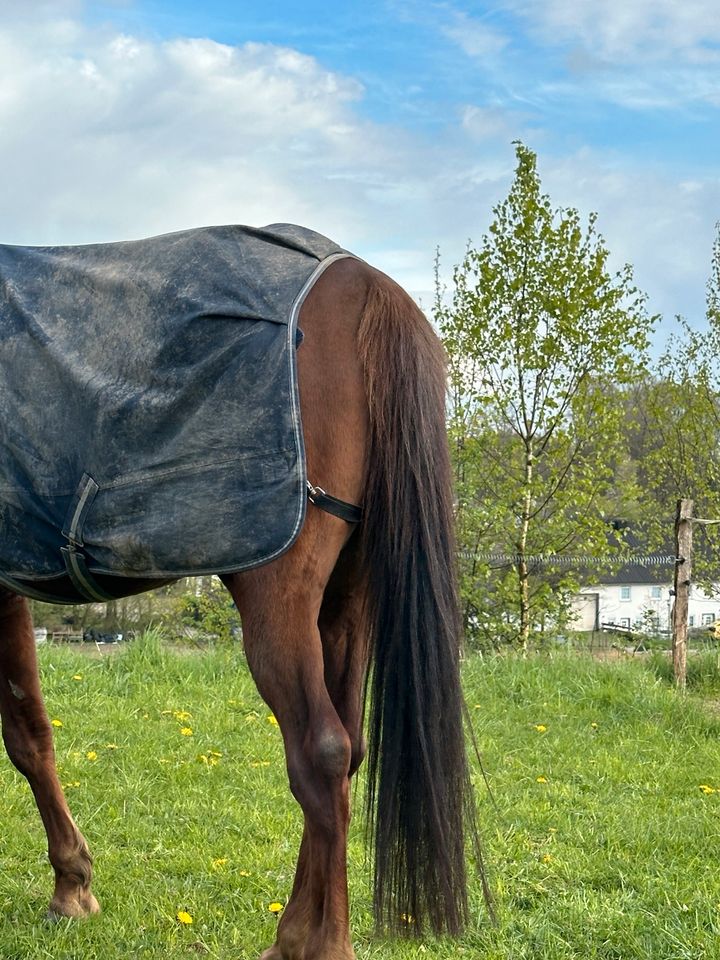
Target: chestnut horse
{"points": [[347, 609]]}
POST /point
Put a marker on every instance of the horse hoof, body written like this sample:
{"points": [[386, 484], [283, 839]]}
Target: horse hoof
{"points": [[73, 908]]}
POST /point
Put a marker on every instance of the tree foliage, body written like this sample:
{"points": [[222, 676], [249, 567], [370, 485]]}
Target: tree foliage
{"points": [[541, 337], [676, 440]]}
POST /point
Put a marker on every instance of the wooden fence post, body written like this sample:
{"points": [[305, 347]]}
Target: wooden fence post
{"points": [[683, 572]]}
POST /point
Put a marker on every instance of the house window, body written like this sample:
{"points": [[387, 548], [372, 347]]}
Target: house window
{"points": [[625, 622], [625, 593], [691, 620], [656, 593], [707, 619]]}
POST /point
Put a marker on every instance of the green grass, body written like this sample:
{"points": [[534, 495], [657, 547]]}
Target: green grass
{"points": [[613, 857], [703, 670]]}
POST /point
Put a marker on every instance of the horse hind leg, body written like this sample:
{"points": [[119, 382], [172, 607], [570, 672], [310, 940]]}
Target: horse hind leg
{"points": [[344, 651], [280, 605], [28, 739]]}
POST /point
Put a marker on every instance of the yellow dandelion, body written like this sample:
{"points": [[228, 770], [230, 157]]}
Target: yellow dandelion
{"points": [[91, 755], [547, 858], [706, 789], [186, 731], [182, 715], [594, 726], [272, 719], [244, 873], [541, 780], [184, 917], [219, 862], [540, 727], [77, 676], [56, 723], [275, 907]]}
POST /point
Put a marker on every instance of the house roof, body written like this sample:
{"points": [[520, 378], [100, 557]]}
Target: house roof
{"points": [[641, 566]]}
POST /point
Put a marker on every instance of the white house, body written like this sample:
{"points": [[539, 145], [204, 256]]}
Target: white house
{"points": [[640, 597]]}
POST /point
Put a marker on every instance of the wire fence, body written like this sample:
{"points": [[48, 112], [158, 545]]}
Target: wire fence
{"points": [[576, 560]]}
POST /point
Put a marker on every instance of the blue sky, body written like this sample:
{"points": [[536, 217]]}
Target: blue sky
{"points": [[387, 125]]}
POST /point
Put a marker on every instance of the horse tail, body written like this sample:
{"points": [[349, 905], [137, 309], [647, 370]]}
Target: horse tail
{"points": [[420, 806]]}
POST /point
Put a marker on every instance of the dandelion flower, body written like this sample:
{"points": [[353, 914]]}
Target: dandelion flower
{"points": [[91, 755], [56, 723], [244, 873], [219, 862], [275, 907], [547, 858], [186, 731], [77, 676], [541, 779], [272, 719], [540, 727], [184, 917], [706, 789], [182, 715]]}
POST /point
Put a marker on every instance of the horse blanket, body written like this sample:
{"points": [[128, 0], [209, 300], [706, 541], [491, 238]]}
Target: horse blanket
{"points": [[150, 416]]}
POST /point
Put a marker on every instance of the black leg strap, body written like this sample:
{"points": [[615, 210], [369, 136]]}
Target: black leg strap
{"points": [[349, 512]]}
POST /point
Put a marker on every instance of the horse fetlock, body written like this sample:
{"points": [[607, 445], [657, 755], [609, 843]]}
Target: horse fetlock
{"points": [[73, 865], [72, 896]]}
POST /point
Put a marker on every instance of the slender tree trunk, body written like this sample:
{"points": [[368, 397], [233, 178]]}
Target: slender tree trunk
{"points": [[522, 564]]}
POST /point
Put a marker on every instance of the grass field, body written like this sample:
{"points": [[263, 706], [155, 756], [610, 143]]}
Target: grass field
{"points": [[603, 837]]}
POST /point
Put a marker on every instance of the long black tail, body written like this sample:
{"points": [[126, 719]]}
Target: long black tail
{"points": [[419, 799]]}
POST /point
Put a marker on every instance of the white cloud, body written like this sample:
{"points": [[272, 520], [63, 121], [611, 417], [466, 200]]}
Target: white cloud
{"points": [[106, 136], [483, 123], [625, 30], [657, 223], [474, 36]]}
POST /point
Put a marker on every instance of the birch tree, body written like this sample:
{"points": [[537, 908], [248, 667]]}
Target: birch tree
{"points": [[541, 335]]}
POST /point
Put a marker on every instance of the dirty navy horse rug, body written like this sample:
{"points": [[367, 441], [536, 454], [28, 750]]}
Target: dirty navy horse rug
{"points": [[150, 422]]}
